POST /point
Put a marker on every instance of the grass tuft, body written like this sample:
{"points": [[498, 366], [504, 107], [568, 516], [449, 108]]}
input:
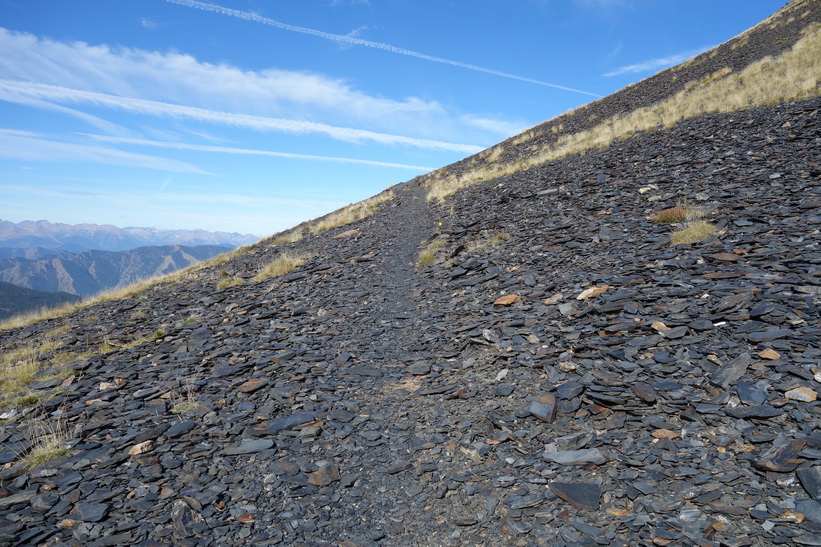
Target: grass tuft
{"points": [[352, 213], [229, 282], [673, 214], [428, 255], [280, 266], [49, 442], [289, 237], [694, 232]]}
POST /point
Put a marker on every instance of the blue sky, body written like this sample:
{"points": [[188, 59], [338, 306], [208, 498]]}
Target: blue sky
{"points": [[253, 115]]}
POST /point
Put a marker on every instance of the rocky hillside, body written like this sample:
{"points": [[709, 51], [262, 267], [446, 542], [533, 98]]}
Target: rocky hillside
{"points": [[90, 272], [530, 361]]}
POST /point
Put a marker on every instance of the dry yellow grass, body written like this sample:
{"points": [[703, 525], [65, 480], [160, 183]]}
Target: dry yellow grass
{"points": [[792, 76], [140, 287], [280, 266], [229, 282], [352, 213], [292, 236], [693, 233], [48, 436], [428, 255], [673, 214]]}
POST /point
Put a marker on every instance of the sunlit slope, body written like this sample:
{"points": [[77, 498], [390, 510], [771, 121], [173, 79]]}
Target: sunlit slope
{"points": [[778, 60]]}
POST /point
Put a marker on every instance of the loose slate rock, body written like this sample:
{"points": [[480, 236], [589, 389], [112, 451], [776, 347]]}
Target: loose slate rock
{"points": [[180, 428], [544, 408], [364, 371], [576, 457], [581, 495], [783, 458], [731, 371], [768, 335], [89, 511], [324, 476], [419, 369], [250, 447], [810, 479], [750, 394], [756, 411]]}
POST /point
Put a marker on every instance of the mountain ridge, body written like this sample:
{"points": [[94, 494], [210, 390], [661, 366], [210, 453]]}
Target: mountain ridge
{"points": [[106, 237], [15, 299], [89, 272], [556, 372]]}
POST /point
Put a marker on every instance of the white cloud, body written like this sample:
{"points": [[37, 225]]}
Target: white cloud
{"points": [[657, 63], [250, 152], [178, 79], [15, 91], [18, 145], [500, 127], [149, 23]]}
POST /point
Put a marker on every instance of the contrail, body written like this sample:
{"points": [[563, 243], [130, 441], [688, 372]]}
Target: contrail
{"points": [[248, 16], [245, 151], [23, 92]]}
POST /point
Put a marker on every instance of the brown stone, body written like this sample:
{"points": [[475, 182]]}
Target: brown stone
{"points": [[770, 354], [725, 257], [802, 393], [665, 434], [324, 476], [141, 448], [252, 385], [592, 291], [507, 300]]}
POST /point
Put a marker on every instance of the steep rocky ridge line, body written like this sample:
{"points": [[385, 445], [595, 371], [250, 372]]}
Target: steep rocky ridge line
{"points": [[770, 38]]}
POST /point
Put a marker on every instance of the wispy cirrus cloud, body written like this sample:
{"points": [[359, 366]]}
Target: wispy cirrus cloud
{"points": [[16, 91], [29, 146], [656, 64], [251, 152], [256, 18], [180, 79]]}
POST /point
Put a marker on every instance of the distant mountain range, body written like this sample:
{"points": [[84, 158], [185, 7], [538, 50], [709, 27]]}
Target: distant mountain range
{"points": [[90, 272], [14, 299], [41, 238], [45, 263]]}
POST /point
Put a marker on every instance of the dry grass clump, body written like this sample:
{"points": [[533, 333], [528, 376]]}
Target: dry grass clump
{"points": [[184, 400], [693, 232], [229, 282], [792, 76], [108, 345], [291, 236], [488, 242], [352, 213], [48, 436], [18, 368], [428, 255], [673, 214], [280, 266]]}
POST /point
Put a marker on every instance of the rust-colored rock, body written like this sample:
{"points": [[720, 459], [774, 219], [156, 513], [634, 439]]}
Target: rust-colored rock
{"points": [[507, 300]]}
